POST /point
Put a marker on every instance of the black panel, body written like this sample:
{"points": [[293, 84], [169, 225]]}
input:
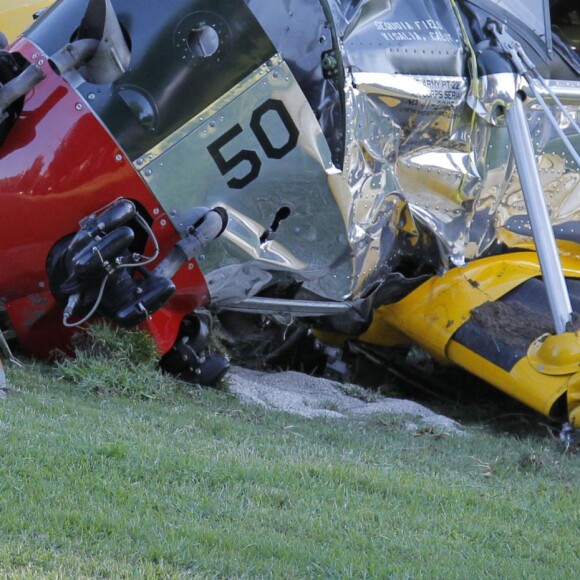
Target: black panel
{"points": [[172, 75], [498, 339]]}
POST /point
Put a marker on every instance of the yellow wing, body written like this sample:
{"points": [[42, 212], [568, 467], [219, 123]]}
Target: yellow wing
{"points": [[16, 15]]}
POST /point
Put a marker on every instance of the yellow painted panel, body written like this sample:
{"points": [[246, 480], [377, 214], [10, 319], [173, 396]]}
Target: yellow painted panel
{"points": [[16, 15], [432, 313], [523, 382]]}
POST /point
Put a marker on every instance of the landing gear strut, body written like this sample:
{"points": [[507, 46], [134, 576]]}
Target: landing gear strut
{"points": [[191, 358]]}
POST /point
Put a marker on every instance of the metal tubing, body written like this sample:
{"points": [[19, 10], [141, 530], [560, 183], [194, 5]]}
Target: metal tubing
{"points": [[294, 307], [73, 55], [542, 231], [553, 120], [19, 86]]}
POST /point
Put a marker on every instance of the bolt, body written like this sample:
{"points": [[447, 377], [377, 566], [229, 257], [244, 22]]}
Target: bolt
{"points": [[329, 62]]}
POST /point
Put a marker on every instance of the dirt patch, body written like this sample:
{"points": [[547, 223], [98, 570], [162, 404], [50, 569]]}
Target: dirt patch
{"points": [[512, 323]]}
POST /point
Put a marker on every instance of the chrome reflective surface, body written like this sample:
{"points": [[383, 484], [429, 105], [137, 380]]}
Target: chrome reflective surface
{"points": [[274, 157], [427, 179], [495, 94]]}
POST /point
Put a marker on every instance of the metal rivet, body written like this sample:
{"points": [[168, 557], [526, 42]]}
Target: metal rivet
{"points": [[118, 157], [156, 211], [78, 106], [163, 223]]}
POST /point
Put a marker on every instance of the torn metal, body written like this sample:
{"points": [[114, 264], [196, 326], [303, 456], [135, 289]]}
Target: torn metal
{"points": [[394, 159], [375, 126], [378, 162]]}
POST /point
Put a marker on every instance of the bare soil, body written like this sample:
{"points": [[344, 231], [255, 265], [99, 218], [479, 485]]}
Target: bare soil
{"points": [[512, 323]]}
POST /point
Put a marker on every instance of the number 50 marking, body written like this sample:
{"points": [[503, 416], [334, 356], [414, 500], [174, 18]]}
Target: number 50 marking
{"points": [[272, 151]]}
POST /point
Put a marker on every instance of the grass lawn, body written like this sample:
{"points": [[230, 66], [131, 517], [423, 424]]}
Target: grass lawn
{"points": [[198, 485]]}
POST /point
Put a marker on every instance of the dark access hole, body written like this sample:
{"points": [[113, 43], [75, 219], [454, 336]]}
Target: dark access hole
{"points": [[203, 41], [283, 213]]}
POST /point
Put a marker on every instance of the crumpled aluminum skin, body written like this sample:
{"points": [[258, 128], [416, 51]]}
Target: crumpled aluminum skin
{"points": [[412, 176]]}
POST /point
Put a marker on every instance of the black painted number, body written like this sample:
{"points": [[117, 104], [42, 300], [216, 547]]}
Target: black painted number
{"points": [[226, 165], [272, 150]]}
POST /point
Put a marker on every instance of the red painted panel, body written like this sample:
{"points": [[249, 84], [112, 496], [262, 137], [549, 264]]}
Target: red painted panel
{"points": [[57, 165]]}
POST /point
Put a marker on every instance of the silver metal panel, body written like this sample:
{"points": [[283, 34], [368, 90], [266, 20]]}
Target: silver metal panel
{"points": [[260, 119], [428, 180]]}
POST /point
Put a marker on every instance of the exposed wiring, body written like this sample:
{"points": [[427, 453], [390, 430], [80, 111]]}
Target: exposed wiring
{"points": [[93, 309], [148, 259]]}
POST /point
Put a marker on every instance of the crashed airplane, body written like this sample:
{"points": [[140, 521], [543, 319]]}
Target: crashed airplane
{"points": [[390, 172]]}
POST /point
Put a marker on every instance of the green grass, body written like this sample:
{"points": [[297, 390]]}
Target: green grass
{"points": [[198, 485], [112, 361]]}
